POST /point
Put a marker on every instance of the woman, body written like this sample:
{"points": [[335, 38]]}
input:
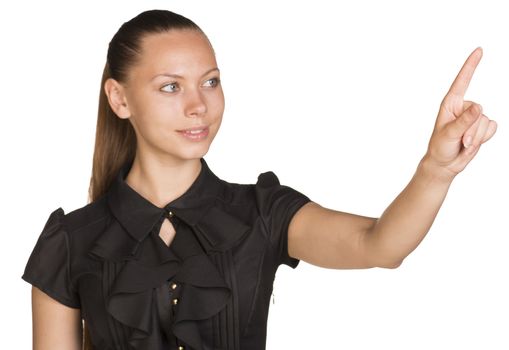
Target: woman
{"points": [[168, 256]]}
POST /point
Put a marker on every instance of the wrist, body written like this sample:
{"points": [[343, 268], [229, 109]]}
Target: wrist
{"points": [[433, 172]]}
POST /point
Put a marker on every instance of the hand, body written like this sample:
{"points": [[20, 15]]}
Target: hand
{"points": [[461, 127]]}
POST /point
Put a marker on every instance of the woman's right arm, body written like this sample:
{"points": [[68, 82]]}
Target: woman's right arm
{"points": [[55, 326]]}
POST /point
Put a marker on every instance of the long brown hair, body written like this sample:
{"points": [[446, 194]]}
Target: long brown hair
{"points": [[115, 139]]}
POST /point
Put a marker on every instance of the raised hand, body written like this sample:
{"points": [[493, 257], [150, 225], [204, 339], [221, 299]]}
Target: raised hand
{"points": [[461, 127]]}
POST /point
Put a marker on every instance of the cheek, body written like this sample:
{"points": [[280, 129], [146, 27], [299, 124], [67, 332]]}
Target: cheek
{"points": [[216, 105], [155, 120]]}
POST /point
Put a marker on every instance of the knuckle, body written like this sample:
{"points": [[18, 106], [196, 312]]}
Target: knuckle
{"points": [[472, 112], [467, 105], [449, 133]]}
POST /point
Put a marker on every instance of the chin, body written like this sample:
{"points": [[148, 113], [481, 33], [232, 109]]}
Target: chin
{"points": [[194, 152]]}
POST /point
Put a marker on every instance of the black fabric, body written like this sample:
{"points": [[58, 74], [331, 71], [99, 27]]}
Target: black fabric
{"points": [[209, 290]]}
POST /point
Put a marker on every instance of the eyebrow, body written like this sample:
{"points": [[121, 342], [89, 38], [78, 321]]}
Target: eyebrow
{"points": [[181, 77]]}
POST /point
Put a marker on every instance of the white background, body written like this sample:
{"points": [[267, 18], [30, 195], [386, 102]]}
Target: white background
{"points": [[339, 99]]}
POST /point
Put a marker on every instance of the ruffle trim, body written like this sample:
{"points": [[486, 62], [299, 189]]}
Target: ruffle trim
{"points": [[149, 263]]}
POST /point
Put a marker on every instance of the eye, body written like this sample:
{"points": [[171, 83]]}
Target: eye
{"points": [[215, 81], [173, 86]]}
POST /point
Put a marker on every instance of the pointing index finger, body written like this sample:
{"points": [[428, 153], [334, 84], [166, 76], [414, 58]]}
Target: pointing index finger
{"points": [[460, 84]]}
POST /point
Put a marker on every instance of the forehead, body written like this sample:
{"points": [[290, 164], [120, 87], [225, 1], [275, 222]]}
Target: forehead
{"points": [[183, 52]]}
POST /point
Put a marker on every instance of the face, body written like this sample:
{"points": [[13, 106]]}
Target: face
{"points": [[174, 87]]}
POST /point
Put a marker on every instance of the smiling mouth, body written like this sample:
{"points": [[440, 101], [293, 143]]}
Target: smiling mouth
{"points": [[195, 134]]}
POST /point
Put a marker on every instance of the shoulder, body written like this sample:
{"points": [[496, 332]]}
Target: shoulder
{"points": [[271, 193], [264, 194], [85, 217], [267, 179], [235, 193]]}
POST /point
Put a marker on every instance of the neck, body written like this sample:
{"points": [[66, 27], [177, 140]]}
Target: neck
{"points": [[161, 182]]}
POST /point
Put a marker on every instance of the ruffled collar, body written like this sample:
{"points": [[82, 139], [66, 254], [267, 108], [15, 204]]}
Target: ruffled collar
{"points": [[202, 207], [131, 242], [138, 215]]}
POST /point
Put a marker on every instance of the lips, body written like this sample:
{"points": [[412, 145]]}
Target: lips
{"points": [[195, 128], [195, 133]]}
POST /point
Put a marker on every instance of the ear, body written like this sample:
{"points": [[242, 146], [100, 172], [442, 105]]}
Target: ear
{"points": [[116, 98]]}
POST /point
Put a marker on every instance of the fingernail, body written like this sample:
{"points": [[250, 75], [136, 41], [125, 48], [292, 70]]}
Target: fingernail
{"points": [[476, 110], [468, 141]]}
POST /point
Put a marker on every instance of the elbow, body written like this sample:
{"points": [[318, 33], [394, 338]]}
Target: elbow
{"points": [[378, 256], [385, 262], [382, 254], [390, 264]]}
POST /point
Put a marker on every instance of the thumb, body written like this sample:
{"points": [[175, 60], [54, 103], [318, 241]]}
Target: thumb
{"points": [[457, 128]]}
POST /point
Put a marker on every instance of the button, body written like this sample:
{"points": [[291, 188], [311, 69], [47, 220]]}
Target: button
{"points": [[181, 347], [170, 213], [175, 301], [173, 285]]}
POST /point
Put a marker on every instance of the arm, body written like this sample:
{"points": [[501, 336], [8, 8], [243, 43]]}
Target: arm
{"points": [[407, 220], [55, 326], [344, 240], [333, 239]]}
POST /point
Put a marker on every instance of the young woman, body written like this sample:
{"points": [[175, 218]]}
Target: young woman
{"points": [[168, 256]]}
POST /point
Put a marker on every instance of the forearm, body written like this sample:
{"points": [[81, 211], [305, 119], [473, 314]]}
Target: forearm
{"points": [[405, 222]]}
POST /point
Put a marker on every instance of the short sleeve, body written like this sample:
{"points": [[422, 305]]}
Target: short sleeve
{"points": [[277, 204], [48, 265]]}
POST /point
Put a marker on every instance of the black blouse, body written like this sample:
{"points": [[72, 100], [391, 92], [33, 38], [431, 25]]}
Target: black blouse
{"points": [[208, 290]]}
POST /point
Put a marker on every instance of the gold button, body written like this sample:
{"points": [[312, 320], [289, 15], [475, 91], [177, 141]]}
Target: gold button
{"points": [[175, 301], [181, 348], [173, 285]]}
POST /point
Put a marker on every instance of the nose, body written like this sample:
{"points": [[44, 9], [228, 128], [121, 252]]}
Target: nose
{"points": [[195, 104]]}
